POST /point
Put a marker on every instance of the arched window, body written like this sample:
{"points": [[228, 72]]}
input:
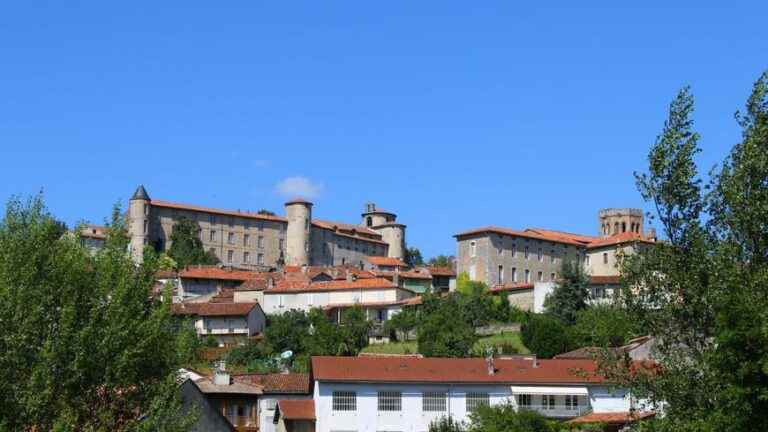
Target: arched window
{"points": [[616, 228], [623, 227], [369, 221]]}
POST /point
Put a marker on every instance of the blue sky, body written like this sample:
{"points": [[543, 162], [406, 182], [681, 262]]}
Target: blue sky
{"points": [[452, 114]]}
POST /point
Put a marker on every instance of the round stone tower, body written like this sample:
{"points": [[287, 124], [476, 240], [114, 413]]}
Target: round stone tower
{"points": [[385, 223], [299, 215], [613, 221], [138, 222]]}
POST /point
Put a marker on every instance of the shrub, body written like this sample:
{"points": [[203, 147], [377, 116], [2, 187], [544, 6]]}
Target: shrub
{"points": [[545, 335]]}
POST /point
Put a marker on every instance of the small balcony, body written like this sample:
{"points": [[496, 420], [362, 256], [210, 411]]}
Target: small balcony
{"points": [[557, 411]]}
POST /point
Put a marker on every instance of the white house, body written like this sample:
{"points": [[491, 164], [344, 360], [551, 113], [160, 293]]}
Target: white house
{"points": [[407, 393], [229, 323]]}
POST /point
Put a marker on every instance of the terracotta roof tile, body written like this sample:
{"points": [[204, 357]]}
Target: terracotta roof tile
{"points": [[520, 286], [386, 261], [517, 233], [625, 237], [604, 280], [565, 235], [213, 309], [212, 272], [441, 271], [613, 418], [409, 274], [450, 370], [190, 207], [301, 409], [335, 285], [291, 383]]}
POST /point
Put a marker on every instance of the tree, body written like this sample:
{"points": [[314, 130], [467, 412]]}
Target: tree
{"points": [[506, 418], [83, 345], [441, 261], [403, 323], [413, 257], [443, 331], [545, 335], [287, 331], [186, 246], [355, 329], [446, 424], [703, 292], [603, 326], [570, 293]]}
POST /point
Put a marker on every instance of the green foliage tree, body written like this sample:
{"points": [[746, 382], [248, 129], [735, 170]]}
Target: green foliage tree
{"points": [[446, 424], [287, 331], [603, 326], [444, 331], [355, 329], [83, 345], [704, 292], [403, 323], [441, 261], [545, 335], [570, 294], [413, 257], [506, 418], [186, 246]]}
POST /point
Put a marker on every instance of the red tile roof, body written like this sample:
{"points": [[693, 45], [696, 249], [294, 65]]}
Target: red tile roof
{"points": [[613, 418], [335, 285], [301, 409], [517, 233], [212, 272], [565, 235], [450, 370], [190, 207], [409, 274], [441, 271], [290, 383], [386, 261], [625, 237], [213, 309], [520, 286], [604, 280]]}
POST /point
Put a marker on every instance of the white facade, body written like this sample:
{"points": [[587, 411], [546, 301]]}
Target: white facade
{"points": [[415, 414], [280, 301]]}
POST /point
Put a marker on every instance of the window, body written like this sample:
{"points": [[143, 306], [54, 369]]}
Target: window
{"points": [[231, 238], [230, 255], [527, 276], [212, 219], [525, 252], [280, 244], [548, 401], [474, 400], [605, 257], [473, 249], [514, 274], [260, 242], [146, 226], [586, 260], [571, 402], [552, 256], [552, 277], [472, 272], [541, 254], [246, 239], [369, 221], [523, 400], [344, 401], [501, 275], [390, 401], [212, 235], [514, 250], [246, 257], [540, 277], [433, 401], [260, 259]]}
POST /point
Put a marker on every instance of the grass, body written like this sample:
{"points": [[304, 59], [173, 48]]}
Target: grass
{"points": [[506, 338]]}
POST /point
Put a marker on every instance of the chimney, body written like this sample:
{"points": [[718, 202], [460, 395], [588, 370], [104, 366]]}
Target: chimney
{"points": [[535, 360], [304, 268], [220, 376]]}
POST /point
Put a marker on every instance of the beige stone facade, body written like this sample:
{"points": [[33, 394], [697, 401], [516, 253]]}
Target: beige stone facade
{"points": [[261, 241], [499, 256]]}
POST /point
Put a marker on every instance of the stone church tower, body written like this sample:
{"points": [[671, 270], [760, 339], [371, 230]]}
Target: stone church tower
{"points": [[297, 235], [138, 222], [385, 223], [613, 221]]}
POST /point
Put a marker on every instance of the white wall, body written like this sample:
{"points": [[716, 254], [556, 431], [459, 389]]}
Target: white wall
{"points": [[367, 417], [308, 300], [267, 403], [540, 292]]}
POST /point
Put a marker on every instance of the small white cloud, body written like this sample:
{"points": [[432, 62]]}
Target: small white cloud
{"points": [[292, 187]]}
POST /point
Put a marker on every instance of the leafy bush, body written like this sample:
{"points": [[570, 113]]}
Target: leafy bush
{"points": [[603, 326], [446, 424], [506, 418], [443, 332], [545, 335]]}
